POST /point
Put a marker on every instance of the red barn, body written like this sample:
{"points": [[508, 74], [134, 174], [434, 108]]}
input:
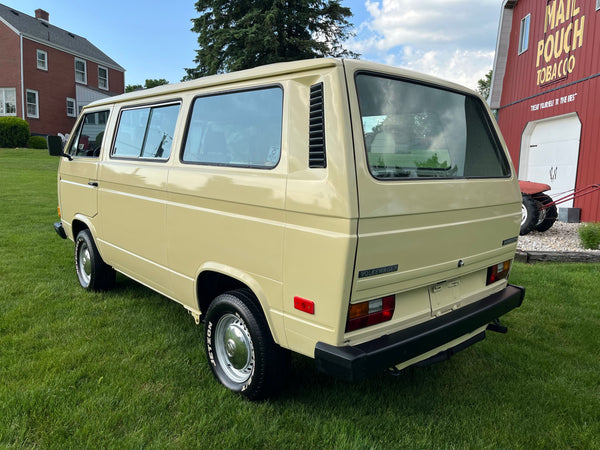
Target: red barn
{"points": [[546, 90], [47, 74]]}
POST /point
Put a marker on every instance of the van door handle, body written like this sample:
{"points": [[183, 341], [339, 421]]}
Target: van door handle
{"points": [[93, 183]]}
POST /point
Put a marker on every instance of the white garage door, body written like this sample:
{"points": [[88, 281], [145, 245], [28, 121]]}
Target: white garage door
{"points": [[550, 152]]}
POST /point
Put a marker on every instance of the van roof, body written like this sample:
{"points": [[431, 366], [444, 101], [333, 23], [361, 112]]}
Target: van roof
{"points": [[269, 70], [273, 70]]}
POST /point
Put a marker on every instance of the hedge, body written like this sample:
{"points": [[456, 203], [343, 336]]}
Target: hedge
{"points": [[14, 132], [38, 142], [589, 235]]}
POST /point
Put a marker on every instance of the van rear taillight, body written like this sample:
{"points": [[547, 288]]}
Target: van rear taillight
{"points": [[365, 314], [498, 272]]}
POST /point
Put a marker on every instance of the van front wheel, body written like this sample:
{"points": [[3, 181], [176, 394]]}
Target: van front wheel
{"points": [[241, 352], [93, 273]]}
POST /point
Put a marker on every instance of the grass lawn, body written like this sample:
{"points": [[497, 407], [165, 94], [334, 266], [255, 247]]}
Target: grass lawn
{"points": [[127, 368]]}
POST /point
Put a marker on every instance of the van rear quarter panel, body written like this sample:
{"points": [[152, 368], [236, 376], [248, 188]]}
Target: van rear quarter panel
{"points": [[227, 220], [322, 213]]}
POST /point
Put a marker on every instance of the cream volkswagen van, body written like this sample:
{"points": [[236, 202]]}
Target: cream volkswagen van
{"points": [[359, 214]]}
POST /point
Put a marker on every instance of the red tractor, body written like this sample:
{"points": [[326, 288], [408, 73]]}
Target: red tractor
{"points": [[539, 210]]}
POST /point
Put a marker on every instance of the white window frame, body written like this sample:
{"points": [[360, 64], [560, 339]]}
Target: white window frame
{"points": [[73, 107], [103, 78], [597, 5], [524, 33], [35, 115], [3, 101], [78, 72], [42, 64]]}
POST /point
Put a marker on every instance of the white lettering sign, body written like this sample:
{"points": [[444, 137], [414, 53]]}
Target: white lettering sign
{"points": [[554, 102]]}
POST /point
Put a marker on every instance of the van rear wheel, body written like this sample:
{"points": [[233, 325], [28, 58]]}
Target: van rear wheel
{"points": [[93, 273], [241, 352]]}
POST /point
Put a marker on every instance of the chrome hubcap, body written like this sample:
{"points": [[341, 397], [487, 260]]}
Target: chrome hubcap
{"points": [[233, 345], [85, 263]]}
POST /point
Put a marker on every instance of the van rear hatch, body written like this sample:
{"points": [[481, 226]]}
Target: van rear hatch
{"points": [[439, 204]]}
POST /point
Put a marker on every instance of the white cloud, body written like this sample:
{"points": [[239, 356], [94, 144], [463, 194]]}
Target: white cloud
{"points": [[465, 67], [451, 39]]}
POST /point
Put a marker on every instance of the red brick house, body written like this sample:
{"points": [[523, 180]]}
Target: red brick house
{"points": [[546, 89], [47, 74]]}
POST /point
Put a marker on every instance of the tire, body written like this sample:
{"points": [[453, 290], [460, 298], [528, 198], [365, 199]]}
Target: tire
{"points": [[547, 215], [530, 214], [93, 273], [241, 352]]}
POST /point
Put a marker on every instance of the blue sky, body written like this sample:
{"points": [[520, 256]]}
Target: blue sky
{"points": [[452, 39]]}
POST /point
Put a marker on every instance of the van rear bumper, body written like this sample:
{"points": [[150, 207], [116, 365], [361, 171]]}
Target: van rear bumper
{"points": [[356, 362]]}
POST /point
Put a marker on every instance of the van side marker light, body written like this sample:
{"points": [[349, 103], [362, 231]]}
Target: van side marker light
{"points": [[307, 306]]}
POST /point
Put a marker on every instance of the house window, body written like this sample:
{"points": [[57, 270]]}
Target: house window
{"points": [[524, 35], [103, 78], [33, 107], [80, 71], [8, 102], [71, 110], [597, 5], [42, 60]]}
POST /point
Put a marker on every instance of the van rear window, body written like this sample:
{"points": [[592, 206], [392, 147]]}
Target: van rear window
{"points": [[419, 131]]}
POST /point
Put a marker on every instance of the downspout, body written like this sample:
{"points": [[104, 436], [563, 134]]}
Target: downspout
{"points": [[22, 82]]}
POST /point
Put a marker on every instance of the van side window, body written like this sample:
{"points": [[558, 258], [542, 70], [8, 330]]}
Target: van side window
{"points": [[146, 132], [236, 129], [88, 137]]}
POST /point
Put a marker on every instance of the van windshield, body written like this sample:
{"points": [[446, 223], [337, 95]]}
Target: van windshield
{"points": [[418, 131]]}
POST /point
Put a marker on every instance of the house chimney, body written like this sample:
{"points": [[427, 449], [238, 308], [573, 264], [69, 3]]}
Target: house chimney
{"points": [[42, 15]]}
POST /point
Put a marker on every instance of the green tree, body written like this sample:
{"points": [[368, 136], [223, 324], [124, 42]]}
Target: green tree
{"points": [[147, 85], [241, 34], [484, 85]]}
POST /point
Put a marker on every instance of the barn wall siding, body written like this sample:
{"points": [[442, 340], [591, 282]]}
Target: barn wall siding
{"points": [[526, 100]]}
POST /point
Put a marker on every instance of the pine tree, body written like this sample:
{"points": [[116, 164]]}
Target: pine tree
{"points": [[484, 85], [241, 34]]}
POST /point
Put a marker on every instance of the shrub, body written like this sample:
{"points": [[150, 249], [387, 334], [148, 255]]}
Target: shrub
{"points": [[38, 142], [589, 235], [14, 132]]}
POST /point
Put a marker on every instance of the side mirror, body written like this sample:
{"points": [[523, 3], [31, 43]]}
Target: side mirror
{"points": [[55, 147]]}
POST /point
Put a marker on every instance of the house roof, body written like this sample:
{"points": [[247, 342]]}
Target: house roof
{"points": [[52, 36]]}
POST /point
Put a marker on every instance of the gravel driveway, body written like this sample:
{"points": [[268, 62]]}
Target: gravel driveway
{"points": [[562, 237]]}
